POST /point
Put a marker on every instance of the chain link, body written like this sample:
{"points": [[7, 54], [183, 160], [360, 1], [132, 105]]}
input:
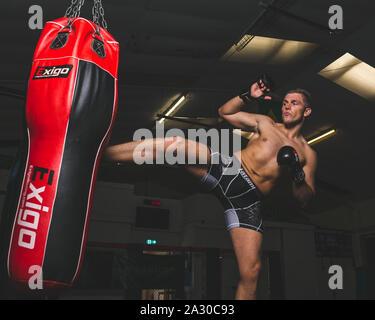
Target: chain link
{"points": [[97, 13], [74, 11]]}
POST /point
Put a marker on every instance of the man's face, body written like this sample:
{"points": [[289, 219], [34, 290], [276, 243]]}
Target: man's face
{"points": [[293, 108]]}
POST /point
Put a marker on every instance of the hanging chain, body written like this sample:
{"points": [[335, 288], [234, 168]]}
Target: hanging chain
{"points": [[74, 10], [69, 11], [97, 13]]}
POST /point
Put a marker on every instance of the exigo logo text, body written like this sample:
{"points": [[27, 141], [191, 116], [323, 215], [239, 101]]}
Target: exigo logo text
{"points": [[29, 213], [53, 72]]}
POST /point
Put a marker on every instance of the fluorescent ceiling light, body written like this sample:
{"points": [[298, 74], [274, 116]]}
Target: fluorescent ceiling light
{"points": [[268, 50], [322, 136], [352, 74], [245, 134], [173, 108]]}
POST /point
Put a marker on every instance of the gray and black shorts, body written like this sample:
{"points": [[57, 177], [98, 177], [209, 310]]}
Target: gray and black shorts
{"points": [[236, 191]]}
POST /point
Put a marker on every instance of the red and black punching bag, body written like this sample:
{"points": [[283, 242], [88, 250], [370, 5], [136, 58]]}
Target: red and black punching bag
{"points": [[70, 108]]}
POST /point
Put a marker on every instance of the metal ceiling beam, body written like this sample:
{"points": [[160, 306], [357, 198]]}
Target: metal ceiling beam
{"points": [[13, 93], [256, 21], [179, 119], [314, 24]]}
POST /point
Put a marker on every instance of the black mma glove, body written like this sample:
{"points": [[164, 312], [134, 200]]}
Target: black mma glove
{"points": [[263, 81], [287, 156]]}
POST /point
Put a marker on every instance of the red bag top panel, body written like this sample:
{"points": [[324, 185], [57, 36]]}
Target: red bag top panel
{"points": [[79, 44]]}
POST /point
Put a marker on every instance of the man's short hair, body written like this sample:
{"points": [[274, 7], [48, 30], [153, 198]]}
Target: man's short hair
{"points": [[305, 95]]}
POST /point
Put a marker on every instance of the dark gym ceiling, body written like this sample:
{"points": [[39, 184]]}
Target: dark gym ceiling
{"points": [[170, 47]]}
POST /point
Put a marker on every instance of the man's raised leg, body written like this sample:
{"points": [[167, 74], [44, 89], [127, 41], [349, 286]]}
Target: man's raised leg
{"points": [[195, 156]]}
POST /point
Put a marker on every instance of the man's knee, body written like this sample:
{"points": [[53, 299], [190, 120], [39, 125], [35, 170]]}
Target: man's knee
{"points": [[250, 273], [174, 146], [193, 152]]}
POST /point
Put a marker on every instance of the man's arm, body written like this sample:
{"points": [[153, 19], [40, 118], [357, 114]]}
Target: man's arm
{"points": [[231, 112], [304, 191]]}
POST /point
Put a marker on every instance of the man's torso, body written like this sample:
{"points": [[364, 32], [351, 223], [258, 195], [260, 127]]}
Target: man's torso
{"points": [[259, 158]]}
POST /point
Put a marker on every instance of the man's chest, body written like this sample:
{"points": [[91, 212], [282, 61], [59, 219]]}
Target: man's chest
{"points": [[274, 139]]}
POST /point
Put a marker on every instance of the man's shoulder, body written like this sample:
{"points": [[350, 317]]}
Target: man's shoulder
{"points": [[265, 120], [264, 123], [310, 153]]}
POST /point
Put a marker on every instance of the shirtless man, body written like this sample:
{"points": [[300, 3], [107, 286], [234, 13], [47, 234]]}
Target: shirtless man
{"points": [[263, 164]]}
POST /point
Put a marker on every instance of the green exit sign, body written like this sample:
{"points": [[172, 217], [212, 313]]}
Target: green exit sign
{"points": [[150, 242]]}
